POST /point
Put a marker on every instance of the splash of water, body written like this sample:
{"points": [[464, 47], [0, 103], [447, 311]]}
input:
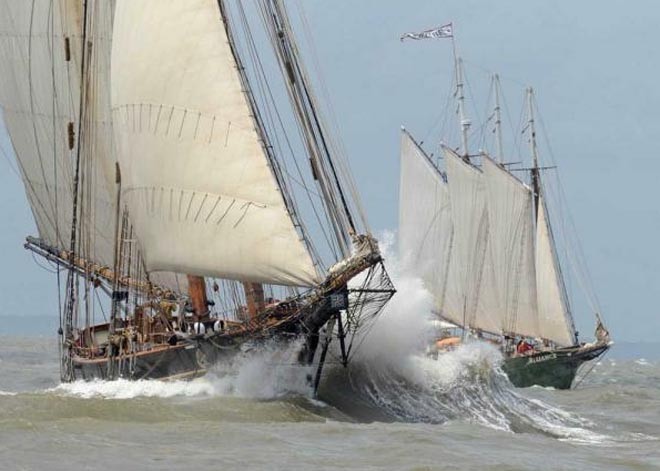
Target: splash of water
{"points": [[265, 373], [127, 389], [268, 372]]}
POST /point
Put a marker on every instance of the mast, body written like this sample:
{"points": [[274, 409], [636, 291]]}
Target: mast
{"points": [[535, 170], [305, 108], [66, 372], [254, 296], [118, 242], [498, 120], [198, 299], [464, 121], [541, 208]]}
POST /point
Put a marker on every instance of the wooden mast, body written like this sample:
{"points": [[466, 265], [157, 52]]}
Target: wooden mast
{"points": [[254, 296], [535, 171], [198, 299]]}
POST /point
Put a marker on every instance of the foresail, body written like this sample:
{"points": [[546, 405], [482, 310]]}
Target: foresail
{"points": [[554, 318], [40, 87], [469, 294], [197, 181], [511, 250], [424, 220]]}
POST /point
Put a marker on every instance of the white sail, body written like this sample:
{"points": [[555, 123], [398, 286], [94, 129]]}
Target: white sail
{"points": [[40, 87], [470, 291], [201, 193], [554, 318], [511, 250], [425, 226]]}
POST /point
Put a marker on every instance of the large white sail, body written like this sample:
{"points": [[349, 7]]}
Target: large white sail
{"points": [[511, 249], [554, 318], [470, 288], [201, 193], [425, 226], [40, 88]]}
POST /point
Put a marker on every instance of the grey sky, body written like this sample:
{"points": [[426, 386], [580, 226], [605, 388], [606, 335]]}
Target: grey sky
{"points": [[595, 67]]}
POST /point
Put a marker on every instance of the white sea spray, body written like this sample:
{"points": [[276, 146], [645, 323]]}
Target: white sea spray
{"points": [[394, 371]]}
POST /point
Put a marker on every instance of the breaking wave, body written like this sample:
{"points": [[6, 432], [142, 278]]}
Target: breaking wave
{"points": [[393, 378]]}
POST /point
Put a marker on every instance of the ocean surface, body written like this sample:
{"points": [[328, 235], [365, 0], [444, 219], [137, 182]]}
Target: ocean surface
{"points": [[393, 409]]}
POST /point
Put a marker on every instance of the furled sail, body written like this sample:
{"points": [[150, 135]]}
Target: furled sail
{"points": [[470, 290], [200, 190], [425, 228], [554, 318], [40, 89], [511, 250]]}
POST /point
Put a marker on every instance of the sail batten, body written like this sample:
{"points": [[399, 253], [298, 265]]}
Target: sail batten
{"points": [[199, 186]]}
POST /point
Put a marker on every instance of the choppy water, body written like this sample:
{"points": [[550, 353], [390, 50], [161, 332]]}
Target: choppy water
{"points": [[458, 413], [394, 408]]}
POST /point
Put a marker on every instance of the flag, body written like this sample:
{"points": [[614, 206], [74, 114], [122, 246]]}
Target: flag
{"points": [[444, 31]]}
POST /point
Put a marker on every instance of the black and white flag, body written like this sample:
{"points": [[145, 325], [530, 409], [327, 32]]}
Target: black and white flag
{"points": [[444, 31]]}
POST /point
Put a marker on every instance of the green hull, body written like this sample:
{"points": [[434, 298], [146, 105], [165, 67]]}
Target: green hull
{"points": [[552, 368]]}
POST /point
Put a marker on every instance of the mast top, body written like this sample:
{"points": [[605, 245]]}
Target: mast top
{"points": [[532, 128], [464, 121], [498, 120]]}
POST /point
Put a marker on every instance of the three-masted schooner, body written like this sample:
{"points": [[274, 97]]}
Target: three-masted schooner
{"points": [[481, 240], [184, 222]]}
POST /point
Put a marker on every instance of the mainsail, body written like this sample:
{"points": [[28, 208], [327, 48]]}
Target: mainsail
{"points": [[554, 317], [425, 229], [198, 184]]}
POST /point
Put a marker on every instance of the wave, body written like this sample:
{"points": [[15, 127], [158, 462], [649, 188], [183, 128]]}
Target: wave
{"points": [[393, 378]]}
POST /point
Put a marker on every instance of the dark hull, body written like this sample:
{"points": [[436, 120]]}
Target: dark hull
{"points": [[553, 368], [192, 356], [172, 362]]}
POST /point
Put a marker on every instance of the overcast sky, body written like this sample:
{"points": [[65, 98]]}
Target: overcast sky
{"points": [[594, 66]]}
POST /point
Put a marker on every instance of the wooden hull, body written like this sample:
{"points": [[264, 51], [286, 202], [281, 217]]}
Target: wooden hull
{"points": [[166, 363], [190, 357], [553, 368]]}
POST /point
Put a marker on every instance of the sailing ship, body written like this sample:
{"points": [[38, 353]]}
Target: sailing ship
{"points": [[481, 239], [184, 221]]}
